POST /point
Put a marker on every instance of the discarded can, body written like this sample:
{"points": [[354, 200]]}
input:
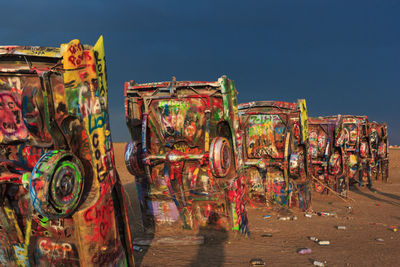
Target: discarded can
{"points": [[349, 209], [308, 215], [137, 248], [284, 218], [267, 216], [257, 262], [327, 214], [313, 238], [304, 251], [341, 227], [266, 235], [323, 243], [380, 239], [319, 263]]}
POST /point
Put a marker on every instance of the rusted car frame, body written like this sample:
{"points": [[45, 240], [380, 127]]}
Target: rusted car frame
{"points": [[61, 201], [275, 152], [327, 160], [352, 134], [378, 137], [185, 153]]}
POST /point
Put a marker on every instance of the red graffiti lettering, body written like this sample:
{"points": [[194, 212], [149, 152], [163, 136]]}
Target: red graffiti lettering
{"points": [[102, 217]]}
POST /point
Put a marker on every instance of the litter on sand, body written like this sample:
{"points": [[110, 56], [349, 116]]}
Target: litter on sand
{"points": [[304, 251], [257, 262], [266, 235]]}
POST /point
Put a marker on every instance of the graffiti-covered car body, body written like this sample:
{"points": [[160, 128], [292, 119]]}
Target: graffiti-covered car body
{"points": [[352, 134], [275, 152], [378, 137], [327, 159], [184, 153], [61, 202]]}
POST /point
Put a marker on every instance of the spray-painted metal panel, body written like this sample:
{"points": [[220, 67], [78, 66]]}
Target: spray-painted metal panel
{"points": [[61, 201]]}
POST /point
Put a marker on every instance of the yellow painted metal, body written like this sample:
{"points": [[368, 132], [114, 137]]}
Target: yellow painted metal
{"points": [[303, 119]]}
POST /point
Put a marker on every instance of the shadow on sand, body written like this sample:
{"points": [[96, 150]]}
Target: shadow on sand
{"points": [[388, 195], [212, 252], [141, 226], [372, 195]]}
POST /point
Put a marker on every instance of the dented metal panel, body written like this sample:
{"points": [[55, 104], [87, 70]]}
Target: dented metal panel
{"points": [[60, 192]]}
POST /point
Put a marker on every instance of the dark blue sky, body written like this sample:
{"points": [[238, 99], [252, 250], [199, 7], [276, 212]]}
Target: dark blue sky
{"points": [[343, 57]]}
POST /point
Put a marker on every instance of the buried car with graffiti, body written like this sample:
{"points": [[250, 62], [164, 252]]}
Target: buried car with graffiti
{"points": [[326, 158], [185, 137], [352, 134], [61, 199], [378, 138], [275, 152]]}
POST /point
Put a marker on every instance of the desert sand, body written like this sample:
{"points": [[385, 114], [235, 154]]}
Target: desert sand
{"points": [[373, 215]]}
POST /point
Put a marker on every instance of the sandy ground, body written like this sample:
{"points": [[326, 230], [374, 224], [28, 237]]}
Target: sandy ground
{"points": [[372, 214]]}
